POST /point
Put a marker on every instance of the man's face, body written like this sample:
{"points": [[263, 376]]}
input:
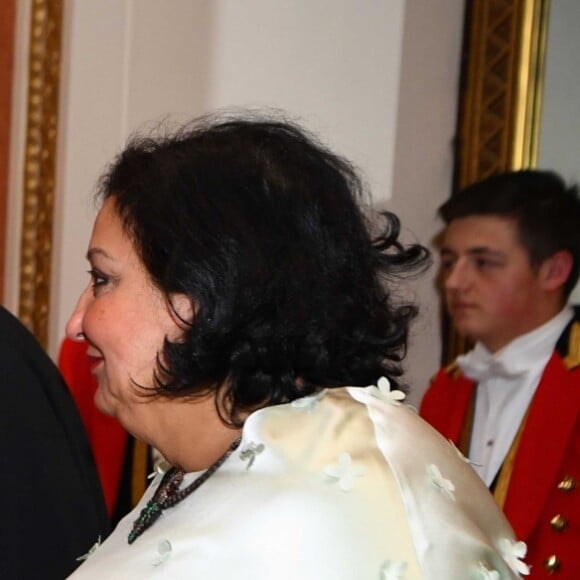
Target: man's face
{"points": [[491, 289]]}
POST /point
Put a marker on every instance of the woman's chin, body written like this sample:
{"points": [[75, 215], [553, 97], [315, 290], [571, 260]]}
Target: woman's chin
{"points": [[104, 404]]}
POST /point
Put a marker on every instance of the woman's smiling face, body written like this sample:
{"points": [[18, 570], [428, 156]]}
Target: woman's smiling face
{"points": [[125, 320]]}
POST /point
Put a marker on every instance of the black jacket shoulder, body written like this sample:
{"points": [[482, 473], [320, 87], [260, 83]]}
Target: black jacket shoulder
{"points": [[50, 496]]}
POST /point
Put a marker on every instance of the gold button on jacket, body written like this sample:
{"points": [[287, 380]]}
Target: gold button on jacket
{"points": [[552, 564], [559, 523], [567, 484]]}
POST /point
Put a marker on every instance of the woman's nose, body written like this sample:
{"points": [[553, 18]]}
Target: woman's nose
{"points": [[74, 326]]}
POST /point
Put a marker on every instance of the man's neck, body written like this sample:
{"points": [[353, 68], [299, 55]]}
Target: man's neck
{"points": [[559, 319]]}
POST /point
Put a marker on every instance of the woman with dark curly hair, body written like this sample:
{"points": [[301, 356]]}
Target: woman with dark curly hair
{"points": [[238, 317]]}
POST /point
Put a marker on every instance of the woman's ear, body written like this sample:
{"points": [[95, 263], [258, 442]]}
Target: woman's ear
{"points": [[556, 269], [182, 309]]}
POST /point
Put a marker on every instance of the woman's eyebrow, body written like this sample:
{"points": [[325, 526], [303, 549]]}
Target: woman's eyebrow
{"points": [[92, 252]]}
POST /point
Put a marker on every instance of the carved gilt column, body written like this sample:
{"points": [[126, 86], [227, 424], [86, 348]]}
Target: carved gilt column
{"points": [[40, 164]]}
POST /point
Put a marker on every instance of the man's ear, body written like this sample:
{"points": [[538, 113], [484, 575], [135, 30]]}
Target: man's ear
{"points": [[555, 270]]}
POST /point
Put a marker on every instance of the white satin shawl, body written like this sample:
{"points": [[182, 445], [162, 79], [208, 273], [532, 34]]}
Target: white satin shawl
{"points": [[345, 485]]}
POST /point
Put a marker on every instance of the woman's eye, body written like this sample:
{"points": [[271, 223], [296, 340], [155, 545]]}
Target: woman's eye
{"points": [[97, 279]]}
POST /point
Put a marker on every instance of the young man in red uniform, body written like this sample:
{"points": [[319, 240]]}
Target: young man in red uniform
{"points": [[510, 257]]}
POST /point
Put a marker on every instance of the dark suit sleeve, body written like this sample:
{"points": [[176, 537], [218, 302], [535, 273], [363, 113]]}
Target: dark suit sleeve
{"points": [[51, 505]]}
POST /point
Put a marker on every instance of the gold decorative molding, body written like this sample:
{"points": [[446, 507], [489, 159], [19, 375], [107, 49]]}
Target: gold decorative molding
{"points": [[40, 164], [501, 98], [501, 103], [530, 84]]}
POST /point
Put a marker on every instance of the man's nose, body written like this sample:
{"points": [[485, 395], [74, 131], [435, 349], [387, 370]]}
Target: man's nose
{"points": [[457, 276]]}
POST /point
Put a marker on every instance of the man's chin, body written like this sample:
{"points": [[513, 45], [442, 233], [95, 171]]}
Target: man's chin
{"points": [[466, 330]]}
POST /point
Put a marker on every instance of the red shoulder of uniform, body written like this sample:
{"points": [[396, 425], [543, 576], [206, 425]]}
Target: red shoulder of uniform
{"points": [[451, 371]]}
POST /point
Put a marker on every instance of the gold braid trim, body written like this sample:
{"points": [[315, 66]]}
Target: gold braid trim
{"points": [[139, 475], [505, 473], [453, 370], [572, 359]]}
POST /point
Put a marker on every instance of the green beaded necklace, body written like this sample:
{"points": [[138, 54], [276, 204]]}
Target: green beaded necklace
{"points": [[168, 493]]}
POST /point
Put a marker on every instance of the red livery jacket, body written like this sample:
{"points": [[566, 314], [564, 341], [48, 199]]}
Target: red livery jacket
{"points": [[543, 496]]}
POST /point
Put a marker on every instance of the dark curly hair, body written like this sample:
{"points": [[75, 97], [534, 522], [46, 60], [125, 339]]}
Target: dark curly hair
{"points": [[545, 210], [260, 226]]}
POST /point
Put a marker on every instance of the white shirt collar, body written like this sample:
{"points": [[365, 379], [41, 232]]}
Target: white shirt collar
{"points": [[507, 381], [523, 354]]}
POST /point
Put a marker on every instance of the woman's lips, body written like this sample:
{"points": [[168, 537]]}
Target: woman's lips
{"points": [[94, 362]]}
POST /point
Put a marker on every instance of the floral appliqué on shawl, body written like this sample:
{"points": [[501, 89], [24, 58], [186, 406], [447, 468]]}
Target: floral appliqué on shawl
{"points": [[393, 570], [440, 482], [344, 472]]}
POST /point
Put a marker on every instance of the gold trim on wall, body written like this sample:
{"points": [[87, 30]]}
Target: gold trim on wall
{"points": [[500, 103], [40, 165], [530, 84]]}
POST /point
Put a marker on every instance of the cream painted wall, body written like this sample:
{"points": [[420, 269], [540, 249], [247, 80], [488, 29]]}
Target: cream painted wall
{"points": [[334, 65], [560, 121], [424, 159], [130, 64], [560, 124]]}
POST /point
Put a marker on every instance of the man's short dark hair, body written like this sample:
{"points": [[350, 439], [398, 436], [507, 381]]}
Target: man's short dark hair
{"points": [[546, 212]]}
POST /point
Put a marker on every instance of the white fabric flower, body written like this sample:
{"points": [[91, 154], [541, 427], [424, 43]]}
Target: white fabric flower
{"points": [[158, 472], [92, 550], [513, 553], [164, 550], [458, 451], [384, 390], [309, 403], [344, 472], [484, 573], [250, 452], [460, 454], [393, 570], [437, 479]]}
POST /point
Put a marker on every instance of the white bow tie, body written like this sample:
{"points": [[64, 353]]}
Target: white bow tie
{"points": [[479, 365]]}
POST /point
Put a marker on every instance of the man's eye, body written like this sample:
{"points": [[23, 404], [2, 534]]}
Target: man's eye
{"points": [[484, 263], [447, 265]]}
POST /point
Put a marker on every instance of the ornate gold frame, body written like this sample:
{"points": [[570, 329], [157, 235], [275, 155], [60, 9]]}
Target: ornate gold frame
{"points": [[501, 97], [40, 164]]}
